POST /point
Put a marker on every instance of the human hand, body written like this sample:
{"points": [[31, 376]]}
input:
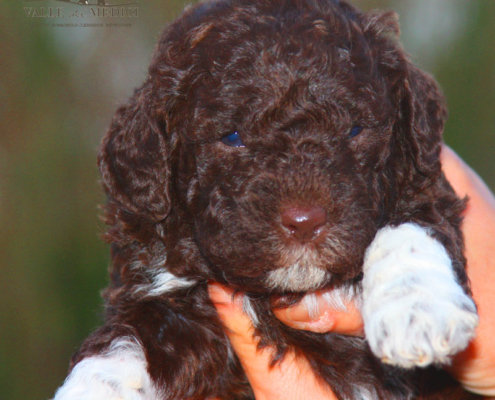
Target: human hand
{"points": [[293, 378], [475, 367]]}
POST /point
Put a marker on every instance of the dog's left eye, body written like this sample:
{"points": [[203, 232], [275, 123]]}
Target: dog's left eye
{"points": [[233, 140], [355, 131]]}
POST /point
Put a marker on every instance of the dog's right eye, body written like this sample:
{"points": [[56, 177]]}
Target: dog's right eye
{"points": [[233, 140]]}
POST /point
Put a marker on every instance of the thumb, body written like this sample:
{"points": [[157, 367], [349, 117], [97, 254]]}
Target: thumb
{"points": [[319, 312]]}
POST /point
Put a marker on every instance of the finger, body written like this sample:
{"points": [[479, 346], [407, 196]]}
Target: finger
{"points": [[240, 330], [323, 317], [229, 307], [292, 378]]}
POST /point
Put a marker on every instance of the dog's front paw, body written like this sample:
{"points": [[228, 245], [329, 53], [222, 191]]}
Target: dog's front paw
{"points": [[414, 311], [119, 374], [418, 329]]}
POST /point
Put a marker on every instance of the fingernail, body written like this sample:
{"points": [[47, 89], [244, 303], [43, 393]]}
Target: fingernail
{"points": [[298, 313], [220, 293], [324, 323]]}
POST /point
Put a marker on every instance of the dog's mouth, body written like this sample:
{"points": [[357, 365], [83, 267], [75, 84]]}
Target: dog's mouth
{"points": [[269, 260], [306, 267]]}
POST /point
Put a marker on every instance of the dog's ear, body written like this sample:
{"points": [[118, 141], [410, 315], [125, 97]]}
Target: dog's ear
{"points": [[420, 104], [133, 160], [135, 153], [421, 117]]}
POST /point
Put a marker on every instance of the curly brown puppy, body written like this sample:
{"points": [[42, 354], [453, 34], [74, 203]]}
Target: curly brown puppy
{"points": [[278, 147]]}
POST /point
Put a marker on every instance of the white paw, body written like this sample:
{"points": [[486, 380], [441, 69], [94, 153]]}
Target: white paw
{"points": [[415, 313], [118, 374]]}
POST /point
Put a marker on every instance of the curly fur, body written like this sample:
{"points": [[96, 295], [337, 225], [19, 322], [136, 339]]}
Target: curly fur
{"points": [[293, 77]]}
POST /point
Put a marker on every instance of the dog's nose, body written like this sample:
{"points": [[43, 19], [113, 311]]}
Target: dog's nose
{"points": [[304, 224]]}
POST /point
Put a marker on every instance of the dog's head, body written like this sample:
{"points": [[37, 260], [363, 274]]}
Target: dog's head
{"points": [[270, 142]]}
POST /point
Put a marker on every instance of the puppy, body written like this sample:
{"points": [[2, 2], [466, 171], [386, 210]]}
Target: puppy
{"points": [[278, 147]]}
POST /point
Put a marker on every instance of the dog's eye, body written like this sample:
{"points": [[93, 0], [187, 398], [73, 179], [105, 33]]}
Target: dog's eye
{"points": [[233, 140], [355, 131]]}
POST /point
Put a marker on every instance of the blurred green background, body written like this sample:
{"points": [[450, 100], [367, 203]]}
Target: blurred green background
{"points": [[59, 87]]}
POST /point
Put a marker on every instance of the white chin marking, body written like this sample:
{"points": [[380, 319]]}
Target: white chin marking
{"points": [[118, 374], [414, 311], [297, 278]]}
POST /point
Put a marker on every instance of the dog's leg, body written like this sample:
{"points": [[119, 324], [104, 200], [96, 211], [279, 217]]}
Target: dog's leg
{"points": [[157, 349], [118, 373], [415, 312]]}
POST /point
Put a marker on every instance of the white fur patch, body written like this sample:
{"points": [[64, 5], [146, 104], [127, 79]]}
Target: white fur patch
{"points": [[414, 311], [118, 374], [248, 309], [164, 282], [337, 298], [363, 393]]}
